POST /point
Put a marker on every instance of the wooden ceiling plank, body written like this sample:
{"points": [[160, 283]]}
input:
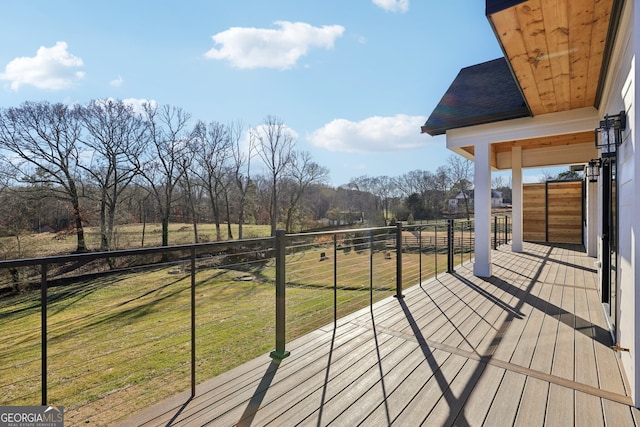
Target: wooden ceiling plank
{"points": [[556, 50], [545, 142], [580, 14], [601, 18], [535, 40], [494, 157], [508, 29], [557, 32]]}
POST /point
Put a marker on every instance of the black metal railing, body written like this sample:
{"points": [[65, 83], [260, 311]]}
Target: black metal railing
{"points": [[127, 322]]}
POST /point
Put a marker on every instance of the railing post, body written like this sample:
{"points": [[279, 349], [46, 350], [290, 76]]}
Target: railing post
{"points": [[371, 267], [43, 331], [193, 322], [436, 248], [450, 245], [399, 260], [495, 232], [506, 230], [461, 243], [280, 246], [335, 280], [420, 254]]}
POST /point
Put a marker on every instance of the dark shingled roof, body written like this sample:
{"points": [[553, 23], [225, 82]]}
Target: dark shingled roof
{"points": [[482, 93], [494, 6]]}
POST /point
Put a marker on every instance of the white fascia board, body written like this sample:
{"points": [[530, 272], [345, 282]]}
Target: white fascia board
{"points": [[565, 122]]}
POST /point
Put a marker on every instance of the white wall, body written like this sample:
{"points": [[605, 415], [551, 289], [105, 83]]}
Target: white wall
{"points": [[620, 94]]}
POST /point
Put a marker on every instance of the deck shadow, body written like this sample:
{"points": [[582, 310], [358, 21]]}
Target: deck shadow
{"points": [[444, 385], [326, 375], [246, 419], [578, 323], [179, 412]]}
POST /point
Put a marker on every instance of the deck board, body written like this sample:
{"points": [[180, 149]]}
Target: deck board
{"points": [[377, 396], [588, 410], [448, 410], [389, 410], [528, 346], [560, 406], [477, 405], [436, 387], [533, 404], [505, 403]]}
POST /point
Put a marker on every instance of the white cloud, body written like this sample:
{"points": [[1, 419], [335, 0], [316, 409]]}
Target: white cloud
{"points": [[52, 68], [117, 82], [272, 48], [373, 134], [392, 5]]}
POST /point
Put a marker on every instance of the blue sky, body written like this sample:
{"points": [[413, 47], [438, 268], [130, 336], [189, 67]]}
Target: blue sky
{"points": [[353, 80]]}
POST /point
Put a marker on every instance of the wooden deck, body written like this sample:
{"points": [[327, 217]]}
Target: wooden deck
{"points": [[530, 346]]}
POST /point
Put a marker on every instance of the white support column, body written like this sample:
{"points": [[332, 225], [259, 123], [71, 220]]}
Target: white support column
{"points": [[516, 199], [482, 210]]}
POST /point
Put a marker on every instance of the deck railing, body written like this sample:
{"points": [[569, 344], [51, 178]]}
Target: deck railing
{"points": [[89, 331]]}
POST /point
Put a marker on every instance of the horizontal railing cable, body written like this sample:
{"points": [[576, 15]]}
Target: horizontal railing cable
{"points": [[181, 314]]}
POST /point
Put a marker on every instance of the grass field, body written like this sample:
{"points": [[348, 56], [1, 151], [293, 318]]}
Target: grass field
{"points": [[126, 237], [120, 343]]}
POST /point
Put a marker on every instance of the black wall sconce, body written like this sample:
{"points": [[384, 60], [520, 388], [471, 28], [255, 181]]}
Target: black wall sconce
{"points": [[592, 170], [609, 134]]}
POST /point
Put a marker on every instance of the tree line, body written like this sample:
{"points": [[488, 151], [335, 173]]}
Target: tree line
{"points": [[108, 163]]}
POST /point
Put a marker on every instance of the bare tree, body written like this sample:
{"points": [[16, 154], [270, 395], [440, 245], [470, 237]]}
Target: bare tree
{"points": [[45, 137], [241, 168], [190, 184], [303, 173], [418, 188], [212, 156], [275, 144], [498, 181], [261, 186], [16, 210], [546, 176], [442, 185], [161, 168], [116, 136], [410, 182], [5, 174], [460, 170], [503, 185], [367, 193], [385, 187]]}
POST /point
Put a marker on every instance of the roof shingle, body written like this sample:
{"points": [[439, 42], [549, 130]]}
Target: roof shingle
{"points": [[482, 93]]}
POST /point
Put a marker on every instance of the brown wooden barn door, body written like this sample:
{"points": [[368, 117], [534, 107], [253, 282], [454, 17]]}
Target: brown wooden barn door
{"points": [[553, 212], [564, 212]]}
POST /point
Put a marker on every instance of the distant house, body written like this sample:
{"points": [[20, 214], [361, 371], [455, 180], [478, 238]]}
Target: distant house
{"points": [[457, 203]]}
